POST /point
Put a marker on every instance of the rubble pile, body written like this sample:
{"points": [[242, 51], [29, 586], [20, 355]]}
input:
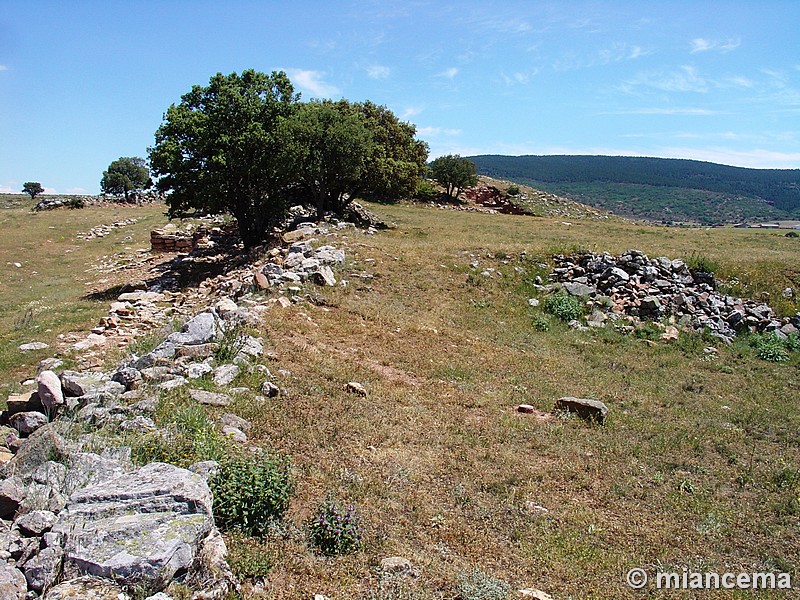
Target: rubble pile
{"points": [[639, 288]]}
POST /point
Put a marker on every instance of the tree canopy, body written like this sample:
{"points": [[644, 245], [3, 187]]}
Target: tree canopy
{"points": [[246, 145], [33, 188], [218, 150], [125, 175], [454, 173]]}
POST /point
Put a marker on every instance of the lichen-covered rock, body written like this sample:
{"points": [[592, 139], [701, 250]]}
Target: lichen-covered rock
{"points": [[591, 410], [86, 588], [12, 492], [12, 583], [142, 526], [35, 523], [44, 568], [27, 422]]}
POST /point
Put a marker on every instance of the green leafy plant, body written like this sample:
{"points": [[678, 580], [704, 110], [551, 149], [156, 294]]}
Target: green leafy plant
{"points": [[336, 529], [426, 191], [230, 345], [251, 492], [563, 307], [477, 585], [793, 342], [541, 323], [513, 190], [770, 347]]}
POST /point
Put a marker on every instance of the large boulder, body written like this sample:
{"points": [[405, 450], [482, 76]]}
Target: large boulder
{"points": [[141, 526], [590, 410], [12, 583]]}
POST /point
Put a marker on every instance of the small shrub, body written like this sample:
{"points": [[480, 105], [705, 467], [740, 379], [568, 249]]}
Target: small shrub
{"points": [[699, 263], [793, 234], [563, 307], [513, 190], [230, 345], [75, 203], [251, 491], [426, 191], [793, 343], [477, 585], [770, 347], [335, 529], [541, 323]]}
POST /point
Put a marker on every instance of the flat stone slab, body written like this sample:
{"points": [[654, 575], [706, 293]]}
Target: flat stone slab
{"points": [[141, 526], [210, 398]]}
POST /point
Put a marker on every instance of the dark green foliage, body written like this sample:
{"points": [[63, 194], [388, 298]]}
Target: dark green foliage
{"points": [[327, 150], [792, 234], [125, 175], [453, 173], [245, 145], [563, 307], [793, 342], [336, 529], [218, 151], [75, 203], [426, 191], [251, 492], [770, 347], [32, 188], [668, 190], [513, 190]]}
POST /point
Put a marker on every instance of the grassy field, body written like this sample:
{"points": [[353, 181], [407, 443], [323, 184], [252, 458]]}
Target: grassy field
{"points": [[697, 466]]}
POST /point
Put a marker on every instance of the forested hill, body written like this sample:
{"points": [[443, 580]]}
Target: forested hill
{"points": [[669, 190]]}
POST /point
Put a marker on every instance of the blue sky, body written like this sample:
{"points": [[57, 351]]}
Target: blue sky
{"points": [[83, 83]]}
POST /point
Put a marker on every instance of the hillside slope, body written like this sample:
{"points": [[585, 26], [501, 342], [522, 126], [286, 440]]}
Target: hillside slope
{"points": [[666, 190]]}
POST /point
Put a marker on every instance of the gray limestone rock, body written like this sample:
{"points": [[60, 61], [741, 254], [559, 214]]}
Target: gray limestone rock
{"points": [[210, 398], [143, 526], [12, 493], [86, 588], [200, 329], [44, 568], [35, 523], [225, 374], [27, 422], [12, 583]]}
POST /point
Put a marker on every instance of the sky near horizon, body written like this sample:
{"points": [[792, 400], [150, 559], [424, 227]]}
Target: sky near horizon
{"points": [[85, 82]]}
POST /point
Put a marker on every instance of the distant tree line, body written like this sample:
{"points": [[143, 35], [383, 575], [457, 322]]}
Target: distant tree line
{"points": [[246, 145], [778, 187]]}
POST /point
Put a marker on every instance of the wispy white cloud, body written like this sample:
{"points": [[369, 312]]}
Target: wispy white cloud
{"points": [[666, 111], [684, 79], [434, 131], [617, 52], [312, 82], [449, 73], [7, 189], [3, 68], [706, 45], [411, 111], [378, 72], [519, 77]]}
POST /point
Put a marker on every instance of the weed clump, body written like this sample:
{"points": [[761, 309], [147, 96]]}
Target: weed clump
{"points": [[336, 530], [477, 585], [699, 263], [770, 347], [563, 306], [251, 492], [541, 323]]}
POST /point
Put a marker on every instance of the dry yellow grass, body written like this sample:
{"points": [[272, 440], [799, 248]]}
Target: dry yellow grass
{"points": [[697, 466]]}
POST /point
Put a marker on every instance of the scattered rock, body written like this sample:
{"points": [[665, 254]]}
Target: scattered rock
{"points": [[12, 493], [234, 434], [49, 388], [44, 568], [534, 594], [87, 588], [36, 523], [225, 374], [33, 346], [270, 390], [210, 398], [27, 422], [356, 388], [398, 565], [585, 408]]}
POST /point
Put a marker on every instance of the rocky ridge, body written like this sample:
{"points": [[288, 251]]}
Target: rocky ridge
{"points": [[91, 519]]}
